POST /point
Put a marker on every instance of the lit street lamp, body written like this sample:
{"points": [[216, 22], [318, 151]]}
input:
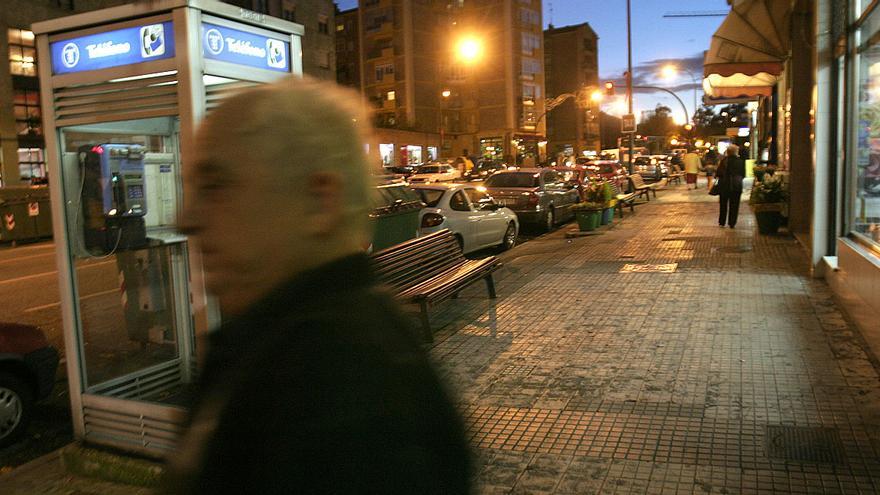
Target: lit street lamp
{"points": [[597, 96], [469, 49], [445, 94]]}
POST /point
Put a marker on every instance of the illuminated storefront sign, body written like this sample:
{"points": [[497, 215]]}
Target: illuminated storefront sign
{"points": [[239, 47]]}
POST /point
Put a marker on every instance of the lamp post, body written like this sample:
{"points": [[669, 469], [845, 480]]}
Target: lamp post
{"points": [[670, 71], [629, 81], [687, 124], [445, 94]]}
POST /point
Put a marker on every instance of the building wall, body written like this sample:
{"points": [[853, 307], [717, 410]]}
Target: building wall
{"points": [[20, 14], [348, 49], [571, 64]]}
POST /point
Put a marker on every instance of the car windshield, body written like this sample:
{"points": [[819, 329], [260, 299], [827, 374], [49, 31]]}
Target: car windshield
{"points": [[430, 170], [430, 196], [513, 179]]}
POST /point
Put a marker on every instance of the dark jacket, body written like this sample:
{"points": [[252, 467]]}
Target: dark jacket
{"points": [[731, 172], [321, 387]]}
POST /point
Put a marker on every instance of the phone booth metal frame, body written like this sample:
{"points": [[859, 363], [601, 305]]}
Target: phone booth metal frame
{"points": [[180, 87]]}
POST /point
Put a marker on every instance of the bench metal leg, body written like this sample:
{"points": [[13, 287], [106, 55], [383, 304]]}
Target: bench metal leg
{"points": [[490, 285], [426, 323], [620, 210]]}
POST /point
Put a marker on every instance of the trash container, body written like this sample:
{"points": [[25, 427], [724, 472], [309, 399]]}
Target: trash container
{"points": [[24, 213], [395, 215]]}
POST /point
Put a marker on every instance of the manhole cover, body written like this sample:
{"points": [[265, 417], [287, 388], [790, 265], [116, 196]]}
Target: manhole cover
{"points": [[800, 443], [647, 268]]}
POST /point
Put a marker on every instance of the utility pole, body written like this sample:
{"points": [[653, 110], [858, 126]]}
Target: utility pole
{"points": [[629, 82]]}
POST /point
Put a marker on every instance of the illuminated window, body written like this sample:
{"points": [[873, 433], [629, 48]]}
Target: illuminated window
{"points": [[390, 96], [22, 54], [26, 106]]}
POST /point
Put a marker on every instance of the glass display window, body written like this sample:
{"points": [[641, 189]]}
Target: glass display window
{"points": [[865, 172]]}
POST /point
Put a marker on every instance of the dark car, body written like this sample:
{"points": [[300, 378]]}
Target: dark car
{"points": [[483, 169], [404, 170], [27, 374], [538, 196], [651, 168]]}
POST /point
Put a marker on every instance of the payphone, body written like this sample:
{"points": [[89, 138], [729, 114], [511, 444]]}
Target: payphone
{"points": [[113, 197]]}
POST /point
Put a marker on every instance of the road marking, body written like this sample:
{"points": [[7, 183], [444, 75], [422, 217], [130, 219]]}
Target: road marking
{"points": [[89, 296], [11, 260], [53, 272]]}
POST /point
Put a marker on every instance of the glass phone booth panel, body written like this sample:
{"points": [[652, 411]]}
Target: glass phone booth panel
{"points": [[129, 263]]}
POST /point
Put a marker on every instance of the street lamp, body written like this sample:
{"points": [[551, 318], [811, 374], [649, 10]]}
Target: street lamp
{"points": [[469, 49], [445, 94], [670, 71], [596, 96]]}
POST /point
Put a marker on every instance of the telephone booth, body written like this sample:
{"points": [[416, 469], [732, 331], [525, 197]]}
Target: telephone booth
{"points": [[123, 90]]}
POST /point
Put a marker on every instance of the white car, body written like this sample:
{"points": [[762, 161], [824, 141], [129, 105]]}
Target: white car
{"points": [[434, 172], [470, 213]]}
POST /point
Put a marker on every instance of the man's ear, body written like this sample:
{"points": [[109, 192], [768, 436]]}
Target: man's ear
{"points": [[324, 202]]}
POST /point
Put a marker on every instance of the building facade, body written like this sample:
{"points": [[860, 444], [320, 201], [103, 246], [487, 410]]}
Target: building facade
{"points": [[817, 121], [571, 64], [429, 101], [22, 146], [318, 19], [348, 49]]}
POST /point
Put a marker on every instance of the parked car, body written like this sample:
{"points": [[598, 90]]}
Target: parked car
{"points": [[612, 171], [483, 169], [577, 175], [27, 375], [651, 169], [395, 213], [469, 212], [581, 175], [538, 196], [404, 170], [434, 172]]}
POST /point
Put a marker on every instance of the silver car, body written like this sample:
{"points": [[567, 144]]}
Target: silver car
{"points": [[539, 196]]}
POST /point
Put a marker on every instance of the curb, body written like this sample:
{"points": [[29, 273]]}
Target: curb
{"points": [[109, 466]]}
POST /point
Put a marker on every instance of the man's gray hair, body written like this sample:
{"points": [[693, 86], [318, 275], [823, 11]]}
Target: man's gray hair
{"points": [[732, 150], [293, 128]]}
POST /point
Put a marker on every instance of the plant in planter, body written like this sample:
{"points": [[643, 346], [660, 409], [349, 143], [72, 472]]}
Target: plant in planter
{"points": [[588, 215], [768, 199], [761, 171]]}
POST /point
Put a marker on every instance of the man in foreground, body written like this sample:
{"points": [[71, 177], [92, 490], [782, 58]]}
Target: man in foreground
{"points": [[314, 382]]}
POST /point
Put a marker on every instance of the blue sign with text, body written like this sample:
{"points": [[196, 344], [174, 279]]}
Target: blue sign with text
{"points": [[113, 48], [243, 48]]}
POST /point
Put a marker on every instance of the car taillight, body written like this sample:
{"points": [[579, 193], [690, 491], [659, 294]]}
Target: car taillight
{"points": [[432, 220], [533, 199]]}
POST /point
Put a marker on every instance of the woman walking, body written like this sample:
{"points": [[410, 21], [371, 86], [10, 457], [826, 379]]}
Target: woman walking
{"points": [[692, 164], [731, 172]]}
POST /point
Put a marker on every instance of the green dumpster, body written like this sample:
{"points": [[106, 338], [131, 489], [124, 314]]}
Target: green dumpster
{"points": [[24, 213], [395, 215]]}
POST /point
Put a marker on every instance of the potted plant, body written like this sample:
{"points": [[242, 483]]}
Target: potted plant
{"points": [[609, 202], [768, 199], [588, 215], [761, 170]]}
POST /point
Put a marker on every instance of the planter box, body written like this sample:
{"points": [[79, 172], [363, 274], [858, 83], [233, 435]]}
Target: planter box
{"points": [[769, 216], [588, 220], [607, 215]]}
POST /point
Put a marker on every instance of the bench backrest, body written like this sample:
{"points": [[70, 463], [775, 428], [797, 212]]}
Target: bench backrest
{"points": [[417, 260], [637, 180], [615, 189]]}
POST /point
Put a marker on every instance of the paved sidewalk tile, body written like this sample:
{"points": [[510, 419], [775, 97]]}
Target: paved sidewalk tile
{"points": [[736, 373]]}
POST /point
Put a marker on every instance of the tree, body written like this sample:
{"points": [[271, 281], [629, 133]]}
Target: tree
{"points": [[659, 123], [711, 123]]}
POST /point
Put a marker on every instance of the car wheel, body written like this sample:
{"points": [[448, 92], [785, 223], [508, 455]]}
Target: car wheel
{"points": [[549, 220], [509, 239], [16, 403]]}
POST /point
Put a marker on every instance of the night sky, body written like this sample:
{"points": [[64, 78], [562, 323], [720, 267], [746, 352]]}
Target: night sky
{"points": [[656, 41]]}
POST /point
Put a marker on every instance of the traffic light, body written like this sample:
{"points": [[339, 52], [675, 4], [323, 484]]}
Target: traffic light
{"points": [[609, 88]]}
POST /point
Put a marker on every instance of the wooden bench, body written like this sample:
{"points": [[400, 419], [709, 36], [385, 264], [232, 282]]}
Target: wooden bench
{"points": [[640, 188], [676, 174], [623, 199], [430, 269]]}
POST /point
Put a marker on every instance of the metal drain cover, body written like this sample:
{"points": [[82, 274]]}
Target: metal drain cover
{"points": [[805, 444], [647, 268]]}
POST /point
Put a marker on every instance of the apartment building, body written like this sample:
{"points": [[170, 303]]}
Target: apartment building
{"points": [[22, 146], [571, 64], [348, 49], [426, 97]]}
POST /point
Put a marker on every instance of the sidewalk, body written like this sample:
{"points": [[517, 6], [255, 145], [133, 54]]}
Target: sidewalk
{"points": [[737, 373], [46, 476]]}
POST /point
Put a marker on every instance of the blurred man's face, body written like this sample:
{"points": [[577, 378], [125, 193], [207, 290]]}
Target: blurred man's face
{"points": [[244, 226]]}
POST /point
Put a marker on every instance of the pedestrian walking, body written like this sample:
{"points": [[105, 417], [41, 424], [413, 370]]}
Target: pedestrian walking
{"points": [[711, 164], [315, 382], [692, 165], [731, 172]]}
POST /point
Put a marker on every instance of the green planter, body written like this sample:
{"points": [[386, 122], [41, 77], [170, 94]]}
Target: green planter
{"points": [[588, 220], [607, 215]]}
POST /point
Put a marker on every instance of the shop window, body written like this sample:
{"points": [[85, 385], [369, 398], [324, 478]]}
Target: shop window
{"points": [[26, 107], [865, 195], [22, 54]]}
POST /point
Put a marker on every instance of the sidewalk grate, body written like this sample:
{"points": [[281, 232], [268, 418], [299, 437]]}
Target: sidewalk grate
{"points": [[805, 444], [649, 268]]}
